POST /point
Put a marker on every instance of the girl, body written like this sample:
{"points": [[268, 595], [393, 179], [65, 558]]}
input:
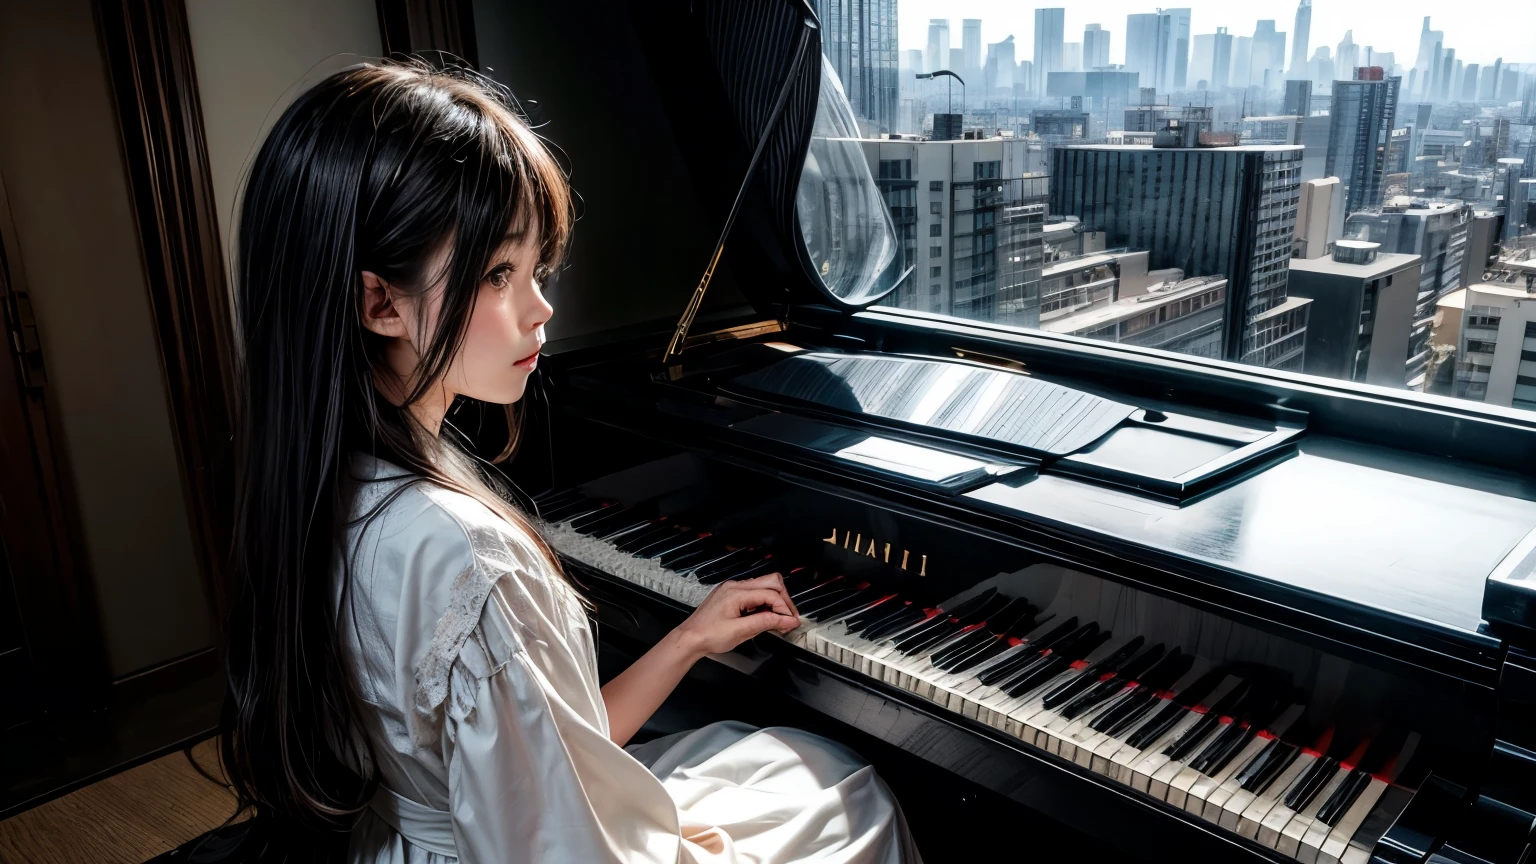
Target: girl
{"points": [[404, 649]]}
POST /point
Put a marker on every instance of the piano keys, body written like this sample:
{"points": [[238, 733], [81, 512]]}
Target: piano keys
{"points": [[1233, 742]]}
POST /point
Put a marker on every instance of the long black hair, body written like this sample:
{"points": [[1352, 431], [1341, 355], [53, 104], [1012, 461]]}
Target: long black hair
{"points": [[375, 168]]}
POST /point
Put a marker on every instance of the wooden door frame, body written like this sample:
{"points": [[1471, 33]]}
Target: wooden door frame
{"points": [[153, 87], [61, 628]]}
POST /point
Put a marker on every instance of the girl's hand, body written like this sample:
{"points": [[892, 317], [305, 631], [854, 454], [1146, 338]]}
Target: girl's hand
{"points": [[735, 612]]}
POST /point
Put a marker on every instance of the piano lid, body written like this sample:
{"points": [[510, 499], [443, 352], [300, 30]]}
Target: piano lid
{"points": [[812, 226]]}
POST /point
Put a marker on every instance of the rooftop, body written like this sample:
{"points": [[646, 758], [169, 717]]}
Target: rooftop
{"points": [[1261, 148], [1386, 262], [1130, 307]]}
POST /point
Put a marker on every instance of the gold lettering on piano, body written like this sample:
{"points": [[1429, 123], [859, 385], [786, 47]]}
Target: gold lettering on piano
{"points": [[853, 541]]}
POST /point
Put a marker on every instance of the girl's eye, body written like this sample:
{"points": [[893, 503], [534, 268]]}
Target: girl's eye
{"points": [[501, 277]]}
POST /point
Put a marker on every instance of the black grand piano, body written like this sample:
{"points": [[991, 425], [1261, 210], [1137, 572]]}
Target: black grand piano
{"points": [[1169, 608]]}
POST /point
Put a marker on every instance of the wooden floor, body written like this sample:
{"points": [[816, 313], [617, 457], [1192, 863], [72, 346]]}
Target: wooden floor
{"points": [[126, 819]]}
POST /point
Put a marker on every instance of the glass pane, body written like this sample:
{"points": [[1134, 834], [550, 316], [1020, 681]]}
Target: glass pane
{"points": [[848, 232], [1362, 210]]}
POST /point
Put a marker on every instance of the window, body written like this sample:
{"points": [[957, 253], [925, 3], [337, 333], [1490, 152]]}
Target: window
{"points": [[935, 272], [996, 205]]}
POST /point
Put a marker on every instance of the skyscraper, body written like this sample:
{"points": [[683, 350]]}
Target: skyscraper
{"points": [[1429, 47], [1202, 63], [1141, 47], [1095, 47], [1300, 42], [1346, 58], [937, 56], [1359, 129], [1000, 67], [1242, 61], [859, 38], [1228, 211], [1050, 32], [1173, 43], [1268, 55], [970, 46]]}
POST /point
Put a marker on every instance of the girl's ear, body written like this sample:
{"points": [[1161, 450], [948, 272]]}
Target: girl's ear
{"points": [[380, 314]]}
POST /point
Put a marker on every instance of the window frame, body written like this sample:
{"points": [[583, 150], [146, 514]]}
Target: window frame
{"points": [[1488, 435]]}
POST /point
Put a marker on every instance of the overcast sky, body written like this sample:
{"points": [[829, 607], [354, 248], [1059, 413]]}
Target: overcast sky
{"points": [[1479, 30]]}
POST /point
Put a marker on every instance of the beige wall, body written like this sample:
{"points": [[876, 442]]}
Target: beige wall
{"points": [[78, 249], [253, 57]]}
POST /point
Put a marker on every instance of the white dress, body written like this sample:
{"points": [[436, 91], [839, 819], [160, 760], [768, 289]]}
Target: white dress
{"points": [[478, 672]]}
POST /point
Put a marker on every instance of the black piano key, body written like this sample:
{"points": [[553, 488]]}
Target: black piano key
{"points": [[997, 624], [573, 509], [731, 561], [808, 595], [1002, 672], [1055, 664], [859, 599], [1173, 666], [669, 544], [1090, 676], [1249, 717], [629, 529], [998, 646], [1183, 748], [1343, 797], [1279, 759], [1097, 693], [901, 611], [1059, 654], [603, 518], [662, 530], [939, 615], [818, 599], [1310, 783], [1168, 713], [679, 558]]}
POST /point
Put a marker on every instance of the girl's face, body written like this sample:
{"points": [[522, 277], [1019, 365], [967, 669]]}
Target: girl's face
{"points": [[506, 329]]}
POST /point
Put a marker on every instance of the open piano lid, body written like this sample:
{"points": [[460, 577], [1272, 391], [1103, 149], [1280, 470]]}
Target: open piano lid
{"points": [[811, 226]]}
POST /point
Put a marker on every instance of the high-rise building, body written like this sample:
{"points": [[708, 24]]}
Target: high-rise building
{"points": [[1437, 233], [1468, 91], [1360, 128], [1227, 211], [1072, 56], [1000, 68], [1319, 218], [1141, 47], [1242, 61], [970, 46], [1321, 67], [859, 38], [974, 222], [1429, 47], [1173, 43], [1114, 297], [937, 55], [1202, 62], [1489, 329], [1346, 57], [1268, 55], [1298, 97], [1095, 47], [1300, 42], [1050, 31], [1362, 312]]}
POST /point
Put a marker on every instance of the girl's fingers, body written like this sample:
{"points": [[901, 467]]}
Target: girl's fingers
{"points": [[747, 626], [748, 599], [775, 582]]}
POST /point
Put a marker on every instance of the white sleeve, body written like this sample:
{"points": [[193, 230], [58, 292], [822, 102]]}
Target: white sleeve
{"points": [[533, 776]]}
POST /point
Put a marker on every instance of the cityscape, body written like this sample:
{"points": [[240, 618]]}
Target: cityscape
{"points": [[1276, 199]]}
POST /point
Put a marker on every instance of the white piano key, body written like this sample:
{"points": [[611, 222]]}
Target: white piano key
{"points": [[1332, 849], [1212, 792], [1253, 816], [1289, 841]]}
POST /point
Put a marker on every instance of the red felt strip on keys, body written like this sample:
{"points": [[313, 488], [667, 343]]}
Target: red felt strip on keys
{"points": [[1079, 664], [1266, 735], [1201, 709], [705, 534], [976, 626], [1224, 720], [1106, 676], [861, 586], [1132, 685], [1388, 770], [1321, 745], [1353, 759], [1165, 695], [929, 613], [1014, 641]]}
